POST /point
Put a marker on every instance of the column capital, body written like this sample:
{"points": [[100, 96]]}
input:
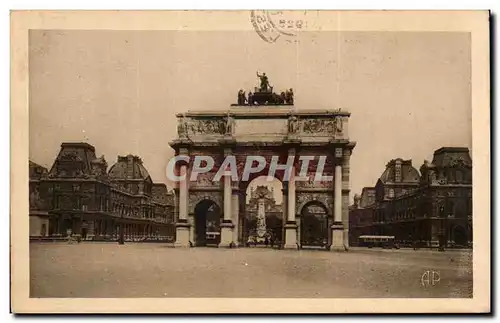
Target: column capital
{"points": [[227, 143], [337, 225], [228, 151], [227, 223], [292, 143], [338, 155], [350, 146], [183, 151]]}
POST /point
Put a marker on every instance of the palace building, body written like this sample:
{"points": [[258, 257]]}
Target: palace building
{"points": [[433, 207], [79, 195], [39, 216]]}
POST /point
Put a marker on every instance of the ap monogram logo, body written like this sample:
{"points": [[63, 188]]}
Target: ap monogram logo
{"points": [[430, 278]]}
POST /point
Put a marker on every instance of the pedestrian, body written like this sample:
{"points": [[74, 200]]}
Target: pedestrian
{"points": [[266, 241], [69, 235]]}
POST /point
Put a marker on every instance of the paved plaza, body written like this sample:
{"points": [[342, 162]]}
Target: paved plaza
{"points": [[158, 270]]}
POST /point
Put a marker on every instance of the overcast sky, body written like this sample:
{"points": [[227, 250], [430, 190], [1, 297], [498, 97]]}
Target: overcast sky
{"points": [[409, 93]]}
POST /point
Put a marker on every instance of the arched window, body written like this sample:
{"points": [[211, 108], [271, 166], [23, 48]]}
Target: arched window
{"points": [[450, 175], [450, 208]]}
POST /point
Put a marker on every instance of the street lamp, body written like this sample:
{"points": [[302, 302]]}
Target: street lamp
{"points": [[120, 239], [441, 233]]}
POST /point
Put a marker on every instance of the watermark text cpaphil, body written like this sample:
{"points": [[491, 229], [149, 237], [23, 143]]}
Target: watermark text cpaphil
{"points": [[299, 168]]}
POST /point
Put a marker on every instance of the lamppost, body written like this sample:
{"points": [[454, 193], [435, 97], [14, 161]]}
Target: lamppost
{"points": [[442, 239], [120, 239]]}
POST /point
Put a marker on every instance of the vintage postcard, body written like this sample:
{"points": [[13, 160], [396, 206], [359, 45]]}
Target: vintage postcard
{"points": [[250, 162]]}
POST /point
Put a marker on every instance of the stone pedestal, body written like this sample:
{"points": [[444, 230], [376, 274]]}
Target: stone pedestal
{"points": [[291, 236], [182, 235], [226, 235], [337, 237]]}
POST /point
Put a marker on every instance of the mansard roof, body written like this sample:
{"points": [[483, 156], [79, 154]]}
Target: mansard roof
{"points": [[451, 157], [129, 167], [409, 174]]}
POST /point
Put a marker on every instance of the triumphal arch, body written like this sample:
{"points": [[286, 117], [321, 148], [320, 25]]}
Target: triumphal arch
{"points": [[272, 128]]}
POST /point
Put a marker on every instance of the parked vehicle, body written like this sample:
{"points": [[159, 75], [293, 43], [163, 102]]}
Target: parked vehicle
{"points": [[386, 242]]}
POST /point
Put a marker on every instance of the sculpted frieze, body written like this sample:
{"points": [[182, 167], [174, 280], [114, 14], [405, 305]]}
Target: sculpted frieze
{"points": [[323, 126], [304, 198], [208, 126], [311, 183], [205, 180], [197, 197]]}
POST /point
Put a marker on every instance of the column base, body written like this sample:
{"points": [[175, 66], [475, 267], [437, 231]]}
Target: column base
{"points": [[226, 235], [434, 243], [182, 235], [338, 238], [291, 236]]}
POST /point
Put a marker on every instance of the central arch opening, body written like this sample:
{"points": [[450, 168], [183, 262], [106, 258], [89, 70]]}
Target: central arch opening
{"points": [[263, 222], [207, 219], [314, 226]]}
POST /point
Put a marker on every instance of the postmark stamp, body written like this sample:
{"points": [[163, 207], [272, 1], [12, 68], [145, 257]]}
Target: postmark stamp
{"points": [[273, 25]]}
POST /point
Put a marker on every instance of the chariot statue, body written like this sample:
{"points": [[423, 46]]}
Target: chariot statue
{"points": [[264, 95]]}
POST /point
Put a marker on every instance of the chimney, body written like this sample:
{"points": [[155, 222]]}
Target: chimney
{"points": [[130, 166], [397, 176]]}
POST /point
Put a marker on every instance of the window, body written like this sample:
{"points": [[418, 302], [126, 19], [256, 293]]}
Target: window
{"points": [[76, 203], [450, 208], [451, 176]]}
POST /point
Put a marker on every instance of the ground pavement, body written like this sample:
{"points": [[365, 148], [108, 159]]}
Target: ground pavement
{"points": [[157, 270]]}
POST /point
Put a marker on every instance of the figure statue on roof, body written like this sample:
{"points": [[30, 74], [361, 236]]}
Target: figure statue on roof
{"points": [[292, 124], [289, 96], [241, 97], [264, 82], [250, 98]]}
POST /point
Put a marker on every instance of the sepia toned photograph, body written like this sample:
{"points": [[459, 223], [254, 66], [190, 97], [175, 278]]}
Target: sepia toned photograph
{"points": [[249, 159]]}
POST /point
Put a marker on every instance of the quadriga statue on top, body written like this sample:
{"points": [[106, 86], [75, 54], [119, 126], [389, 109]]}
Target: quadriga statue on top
{"points": [[264, 95]]}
